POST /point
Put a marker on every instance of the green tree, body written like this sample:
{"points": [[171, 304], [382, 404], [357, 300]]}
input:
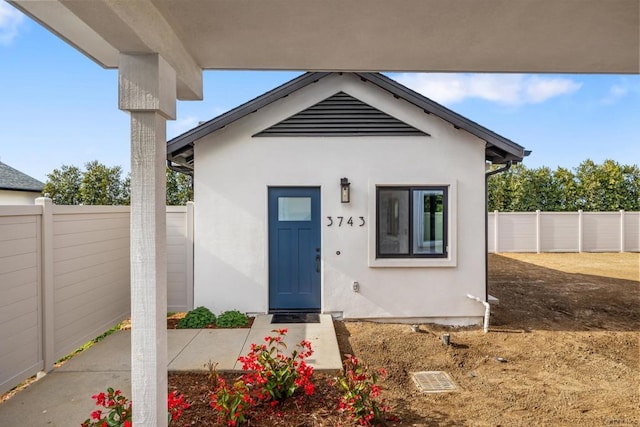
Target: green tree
{"points": [[631, 188], [102, 185], [533, 189], [498, 192], [566, 188], [179, 188], [63, 185], [608, 186]]}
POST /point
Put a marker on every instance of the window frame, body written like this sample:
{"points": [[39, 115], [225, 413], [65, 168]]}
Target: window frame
{"points": [[410, 189]]}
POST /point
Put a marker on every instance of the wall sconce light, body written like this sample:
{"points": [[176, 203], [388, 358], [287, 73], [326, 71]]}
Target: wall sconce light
{"points": [[345, 191]]}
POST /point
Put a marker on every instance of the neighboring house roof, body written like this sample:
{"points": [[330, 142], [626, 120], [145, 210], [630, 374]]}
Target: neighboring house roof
{"points": [[13, 179], [498, 149]]}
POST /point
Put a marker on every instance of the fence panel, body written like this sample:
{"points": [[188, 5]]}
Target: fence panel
{"points": [[491, 232], [563, 231], [632, 232], [559, 232], [601, 232], [179, 261], [20, 299], [517, 232], [91, 267], [75, 261]]}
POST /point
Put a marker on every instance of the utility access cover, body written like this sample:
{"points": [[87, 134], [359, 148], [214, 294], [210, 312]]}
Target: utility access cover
{"points": [[433, 382]]}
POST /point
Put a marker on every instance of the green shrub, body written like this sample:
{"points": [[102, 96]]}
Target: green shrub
{"points": [[197, 318], [232, 319]]}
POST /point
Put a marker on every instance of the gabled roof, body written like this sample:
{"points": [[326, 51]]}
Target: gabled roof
{"points": [[498, 148], [13, 179]]}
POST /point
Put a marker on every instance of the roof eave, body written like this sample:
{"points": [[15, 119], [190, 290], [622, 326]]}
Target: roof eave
{"points": [[432, 107], [189, 137]]}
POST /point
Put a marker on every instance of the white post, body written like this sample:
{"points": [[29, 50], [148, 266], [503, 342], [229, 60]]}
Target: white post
{"points": [[147, 89], [538, 231], [580, 229], [621, 230], [495, 232], [190, 243], [46, 285]]}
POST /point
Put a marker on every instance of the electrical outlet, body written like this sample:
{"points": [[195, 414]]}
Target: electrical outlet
{"points": [[356, 287]]}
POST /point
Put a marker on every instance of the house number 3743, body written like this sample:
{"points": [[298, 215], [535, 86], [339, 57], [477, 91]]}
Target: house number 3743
{"points": [[347, 221]]}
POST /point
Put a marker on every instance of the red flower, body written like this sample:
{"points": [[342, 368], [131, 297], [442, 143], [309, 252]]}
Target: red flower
{"points": [[309, 389], [99, 398]]}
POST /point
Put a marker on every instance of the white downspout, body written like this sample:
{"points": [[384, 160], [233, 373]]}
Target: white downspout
{"points": [[486, 311]]}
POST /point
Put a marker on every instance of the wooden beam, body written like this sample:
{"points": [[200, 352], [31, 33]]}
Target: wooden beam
{"points": [[147, 90], [138, 26]]}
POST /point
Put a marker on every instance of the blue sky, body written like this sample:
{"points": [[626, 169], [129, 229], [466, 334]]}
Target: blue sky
{"points": [[58, 107]]}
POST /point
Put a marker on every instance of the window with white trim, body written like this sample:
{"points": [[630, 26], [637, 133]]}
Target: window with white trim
{"points": [[411, 222]]}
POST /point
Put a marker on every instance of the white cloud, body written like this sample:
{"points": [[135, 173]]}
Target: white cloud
{"points": [[509, 89], [10, 21], [624, 88]]}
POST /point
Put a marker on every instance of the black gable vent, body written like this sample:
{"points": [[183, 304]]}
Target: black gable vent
{"points": [[341, 115]]}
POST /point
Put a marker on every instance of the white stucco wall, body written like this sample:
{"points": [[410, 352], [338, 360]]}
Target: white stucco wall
{"points": [[233, 172], [11, 197]]}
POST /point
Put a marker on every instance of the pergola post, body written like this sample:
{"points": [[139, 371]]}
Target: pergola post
{"points": [[147, 89]]}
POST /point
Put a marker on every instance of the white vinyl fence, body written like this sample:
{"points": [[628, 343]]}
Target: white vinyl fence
{"points": [[564, 231], [65, 278]]}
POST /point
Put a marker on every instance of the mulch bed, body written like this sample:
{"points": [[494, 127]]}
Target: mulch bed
{"points": [[319, 410]]}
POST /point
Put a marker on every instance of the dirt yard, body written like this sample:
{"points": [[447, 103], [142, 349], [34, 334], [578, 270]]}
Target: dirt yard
{"points": [[566, 327], [562, 351]]}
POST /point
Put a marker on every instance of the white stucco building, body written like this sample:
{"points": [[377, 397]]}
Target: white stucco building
{"points": [[277, 228]]}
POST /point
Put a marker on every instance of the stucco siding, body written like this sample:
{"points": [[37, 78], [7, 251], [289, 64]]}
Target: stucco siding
{"points": [[12, 197], [233, 172], [20, 307]]}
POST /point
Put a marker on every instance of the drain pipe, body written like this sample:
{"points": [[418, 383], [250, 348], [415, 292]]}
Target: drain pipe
{"points": [[505, 168], [485, 326], [485, 302]]}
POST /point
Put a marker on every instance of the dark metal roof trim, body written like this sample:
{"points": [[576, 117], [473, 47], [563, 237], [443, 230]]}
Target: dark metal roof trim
{"points": [[189, 137], [515, 152], [341, 115], [180, 148]]}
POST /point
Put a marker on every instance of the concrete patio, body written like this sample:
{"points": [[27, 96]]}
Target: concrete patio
{"points": [[63, 397]]}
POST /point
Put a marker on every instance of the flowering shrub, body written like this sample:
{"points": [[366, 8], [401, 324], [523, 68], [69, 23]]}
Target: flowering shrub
{"points": [[274, 375], [271, 378], [232, 402], [360, 392], [118, 409]]}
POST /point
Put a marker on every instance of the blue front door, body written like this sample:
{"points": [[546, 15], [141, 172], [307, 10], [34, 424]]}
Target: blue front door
{"points": [[294, 249]]}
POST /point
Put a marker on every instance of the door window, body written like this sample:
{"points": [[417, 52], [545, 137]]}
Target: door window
{"points": [[294, 208]]}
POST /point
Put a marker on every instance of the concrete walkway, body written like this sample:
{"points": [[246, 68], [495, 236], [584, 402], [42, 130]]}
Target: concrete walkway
{"points": [[63, 397]]}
